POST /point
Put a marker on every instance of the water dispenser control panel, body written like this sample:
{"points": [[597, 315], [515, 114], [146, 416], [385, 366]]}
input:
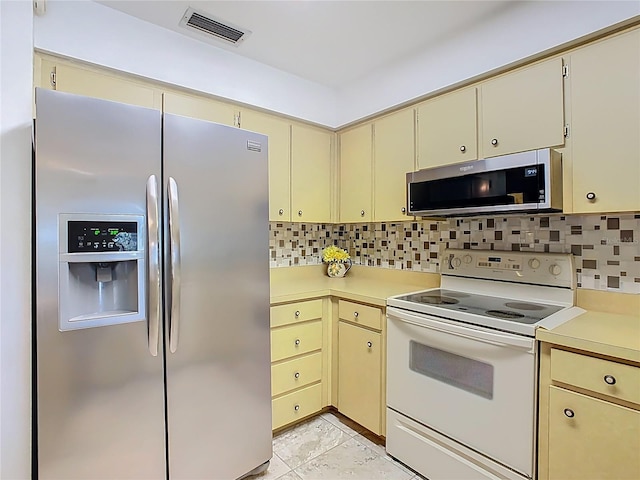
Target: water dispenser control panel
{"points": [[97, 236]]}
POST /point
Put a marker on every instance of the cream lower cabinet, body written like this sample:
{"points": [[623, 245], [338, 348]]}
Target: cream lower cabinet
{"points": [[297, 332], [361, 355], [602, 169], [589, 417]]}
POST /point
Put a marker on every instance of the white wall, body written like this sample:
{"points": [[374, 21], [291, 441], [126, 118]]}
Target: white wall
{"points": [[16, 57], [518, 33], [92, 32], [100, 35]]}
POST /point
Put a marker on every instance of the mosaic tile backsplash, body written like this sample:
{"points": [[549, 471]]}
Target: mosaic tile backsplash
{"points": [[606, 247]]}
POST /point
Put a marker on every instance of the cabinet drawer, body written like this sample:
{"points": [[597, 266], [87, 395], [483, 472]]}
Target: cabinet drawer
{"points": [[295, 340], [603, 376], [296, 405], [296, 312], [360, 314], [296, 373]]}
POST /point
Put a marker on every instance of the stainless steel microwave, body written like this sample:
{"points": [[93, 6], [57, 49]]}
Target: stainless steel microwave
{"points": [[527, 182]]}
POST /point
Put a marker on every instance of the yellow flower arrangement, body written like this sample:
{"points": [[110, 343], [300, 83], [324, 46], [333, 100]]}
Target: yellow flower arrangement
{"points": [[334, 254]]}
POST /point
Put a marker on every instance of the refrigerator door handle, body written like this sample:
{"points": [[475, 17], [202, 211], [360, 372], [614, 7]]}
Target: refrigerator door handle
{"points": [[174, 248], [153, 252]]}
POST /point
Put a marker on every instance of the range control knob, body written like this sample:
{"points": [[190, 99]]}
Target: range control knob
{"points": [[467, 259], [534, 263], [456, 262], [555, 269]]}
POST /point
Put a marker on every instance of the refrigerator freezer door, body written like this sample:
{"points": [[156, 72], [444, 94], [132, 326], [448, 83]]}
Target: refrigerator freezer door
{"points": [[218, 377], [99, 391]]}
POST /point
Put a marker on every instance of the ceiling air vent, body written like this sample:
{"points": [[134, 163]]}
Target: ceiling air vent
{"points": [[215, 27]]}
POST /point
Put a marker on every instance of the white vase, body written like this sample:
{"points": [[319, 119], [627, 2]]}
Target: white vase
{"points": [[338, 269]]}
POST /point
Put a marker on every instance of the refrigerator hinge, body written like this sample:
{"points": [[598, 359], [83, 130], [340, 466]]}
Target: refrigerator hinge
{"points": [[565, 70], [52, 78], [566, 131]]}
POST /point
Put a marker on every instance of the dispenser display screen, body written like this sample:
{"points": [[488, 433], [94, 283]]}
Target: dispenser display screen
{"points": [[102, 236]]}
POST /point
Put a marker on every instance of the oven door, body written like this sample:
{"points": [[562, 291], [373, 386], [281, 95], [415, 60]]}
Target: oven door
{"points": [[476, 387]]}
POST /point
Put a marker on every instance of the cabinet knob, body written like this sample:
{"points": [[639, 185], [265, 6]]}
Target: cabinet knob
{"points": [[297, 314], [463, 148], [355, 314], [403, 209], [297, 342], [591, 196], [609, 379], [569, 413], [280, 212], [362, 213], [296, 407], [494, 142], [296, 375], [299, 213], [369, 344]]}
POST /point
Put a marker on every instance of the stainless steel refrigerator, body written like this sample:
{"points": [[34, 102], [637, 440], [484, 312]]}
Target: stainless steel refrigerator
{"points": [[152, 341]]}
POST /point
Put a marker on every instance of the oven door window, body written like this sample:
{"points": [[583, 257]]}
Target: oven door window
{"points": [[461, 372]]}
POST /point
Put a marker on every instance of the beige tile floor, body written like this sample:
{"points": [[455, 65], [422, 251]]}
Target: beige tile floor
{"points": [[331, 447]]}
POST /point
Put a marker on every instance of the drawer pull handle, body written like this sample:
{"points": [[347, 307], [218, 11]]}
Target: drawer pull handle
{"points": [[355, 314], [494, 142], [297, 342], [609, 379], [297, 313], [296, 407], [463, 148], [296, 375], [369, 344], [569, 413]]}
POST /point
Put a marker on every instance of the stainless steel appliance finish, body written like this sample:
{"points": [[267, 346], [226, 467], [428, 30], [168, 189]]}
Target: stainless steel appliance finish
{"points": [[520, 182], [100, 395], [462, 363]]}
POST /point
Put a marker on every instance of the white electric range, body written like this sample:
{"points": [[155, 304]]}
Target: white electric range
{"points": [[462, 363]]}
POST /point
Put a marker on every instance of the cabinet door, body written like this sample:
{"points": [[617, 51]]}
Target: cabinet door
{"points": [[447, 129], [107, 87], [394, 156], [598, 440], [278, 132], [523, 110], [200, 107], [360, 375], [310, 174], [355, 174], [605, 121]]}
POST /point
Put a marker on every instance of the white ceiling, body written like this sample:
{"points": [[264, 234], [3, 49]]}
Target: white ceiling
{"points": [[331, 43]]}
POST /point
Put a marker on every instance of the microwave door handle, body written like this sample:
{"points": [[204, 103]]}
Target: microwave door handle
{"points": [[153, 262], [175, 273], [495, 338]]}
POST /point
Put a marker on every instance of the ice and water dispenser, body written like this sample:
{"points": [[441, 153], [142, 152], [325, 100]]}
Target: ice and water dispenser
{"points": [[101, 270]]}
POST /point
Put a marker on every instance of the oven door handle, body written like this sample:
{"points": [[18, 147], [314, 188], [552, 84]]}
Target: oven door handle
{"points": [[495, 338]]}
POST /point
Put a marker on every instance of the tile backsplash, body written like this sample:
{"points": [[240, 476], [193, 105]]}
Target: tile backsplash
{"points": [[606, 247]]}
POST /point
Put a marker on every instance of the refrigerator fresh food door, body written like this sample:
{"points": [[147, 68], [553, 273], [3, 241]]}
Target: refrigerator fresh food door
{"points": [[99, 390], [217, 291]]}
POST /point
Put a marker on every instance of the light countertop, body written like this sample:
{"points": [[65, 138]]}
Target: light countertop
{"points": [[362, 284]]}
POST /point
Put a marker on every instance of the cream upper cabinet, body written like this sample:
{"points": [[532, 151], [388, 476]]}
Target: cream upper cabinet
{"points": [[356, 174], [85, 82], [310, 174], [522, 110], [393, 156], [279, 133], [604, 138], [200, 107], [447, 129]]}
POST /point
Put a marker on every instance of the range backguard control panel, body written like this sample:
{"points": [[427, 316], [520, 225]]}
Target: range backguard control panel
{"points": [[88, 236]]}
